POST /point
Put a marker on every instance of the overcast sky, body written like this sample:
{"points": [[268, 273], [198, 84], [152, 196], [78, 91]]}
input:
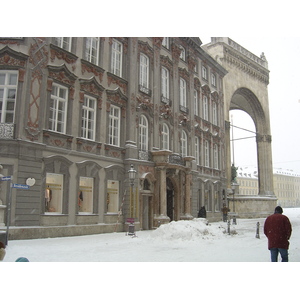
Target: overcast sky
{"points": [[282, 54]]}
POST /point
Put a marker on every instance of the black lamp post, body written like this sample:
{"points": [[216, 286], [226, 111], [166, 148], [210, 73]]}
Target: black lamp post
{"points": [[132, 175], [233, 204]]}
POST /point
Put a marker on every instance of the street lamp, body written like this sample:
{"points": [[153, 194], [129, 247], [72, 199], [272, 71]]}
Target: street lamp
{"points": [[132, 175]]}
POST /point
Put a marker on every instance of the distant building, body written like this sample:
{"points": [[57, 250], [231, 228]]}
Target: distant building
{"points": [[286, 185]]}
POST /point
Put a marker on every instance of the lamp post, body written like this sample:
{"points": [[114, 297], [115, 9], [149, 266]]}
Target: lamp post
{"points": [[132, 175]]}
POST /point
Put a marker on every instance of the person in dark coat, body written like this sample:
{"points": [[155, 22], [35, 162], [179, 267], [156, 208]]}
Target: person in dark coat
{"points": [[202, 212], [278, 230]]}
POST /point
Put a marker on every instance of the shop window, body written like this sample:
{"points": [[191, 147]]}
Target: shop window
{"points": [[112, 201], [85, 195], [54, 193]]}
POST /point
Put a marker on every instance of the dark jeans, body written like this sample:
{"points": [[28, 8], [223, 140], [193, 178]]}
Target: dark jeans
{"points": [[283, 252]]}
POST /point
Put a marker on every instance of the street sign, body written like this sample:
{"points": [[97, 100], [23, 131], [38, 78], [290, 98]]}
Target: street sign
{"points": [[6, 178], [20, 186]]}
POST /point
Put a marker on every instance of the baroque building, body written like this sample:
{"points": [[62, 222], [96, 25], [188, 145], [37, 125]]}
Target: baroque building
{"points": [[77, 113]]}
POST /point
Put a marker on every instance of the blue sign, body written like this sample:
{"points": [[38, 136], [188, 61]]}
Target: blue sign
{"points": [[6, 178], [20, 186]]}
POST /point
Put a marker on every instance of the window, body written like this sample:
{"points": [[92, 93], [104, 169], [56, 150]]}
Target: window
{"points": [[214, 113], [58, 108], [92, 50], [204, 72], [197, 150], [114, 126], [196, 103], [182, 92], [213, 80], [63, 42], [85, 194], [112, 200], [183, 143], [206, 154], [54, 193], [165, 85], [116, 58], [8, 95], [165, 137], [143, 133], [88, 118], [205, 108], [144, 71], [182, 53], [216, 157], [166, 42]]}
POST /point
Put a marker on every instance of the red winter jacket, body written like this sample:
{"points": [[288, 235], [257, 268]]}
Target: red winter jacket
{"points": [[278, 230]]}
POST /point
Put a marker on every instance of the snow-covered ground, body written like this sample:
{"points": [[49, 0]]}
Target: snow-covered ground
{"points": [[182, 241]]}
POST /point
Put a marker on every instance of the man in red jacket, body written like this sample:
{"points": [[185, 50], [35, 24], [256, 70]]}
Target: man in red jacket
{"points": [[278, 230]]}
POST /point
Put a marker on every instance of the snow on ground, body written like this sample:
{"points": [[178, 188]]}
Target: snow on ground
{"points": [[183, 241]]}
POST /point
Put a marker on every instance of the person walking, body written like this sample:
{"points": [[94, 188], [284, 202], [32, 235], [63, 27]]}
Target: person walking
{"points": [[278, 230]]}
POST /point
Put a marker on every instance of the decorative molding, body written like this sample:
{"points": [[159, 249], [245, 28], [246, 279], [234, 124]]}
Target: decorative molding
{"points": [[62, 54], [91, 68]]}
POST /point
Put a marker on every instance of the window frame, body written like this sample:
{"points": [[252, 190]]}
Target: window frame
{"points": [[144, 71], [57, 100], [206, 154], [183, 92], [61, 41], [87, 110], [205, 108], [197, 150], [184, 144], [89, 56], [165, 137], [5, 97], [196, 103], [114, 137], [143, 133], [116, 58]]}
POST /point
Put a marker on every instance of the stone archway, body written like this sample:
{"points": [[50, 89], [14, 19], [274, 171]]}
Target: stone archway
{"points": [[245, 87]]}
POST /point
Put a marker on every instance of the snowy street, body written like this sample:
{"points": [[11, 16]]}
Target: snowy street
{"points": [[191, 242], [183, 241]]}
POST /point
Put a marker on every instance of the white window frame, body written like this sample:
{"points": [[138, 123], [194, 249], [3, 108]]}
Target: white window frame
{"points": [[196, 103], [8, 90], [116, 58], [216, 156], [92, 47], [58, 109], [204, 72], [165, 83], [183, 92], [165, 137], [88, 118], [144, 70], [184, 143], [143, 133], [197, 150], [205, 108], [64, 43], [182, 53], [114, 126], [206, 154], [214, 113], [166, 42], [213, 80]]}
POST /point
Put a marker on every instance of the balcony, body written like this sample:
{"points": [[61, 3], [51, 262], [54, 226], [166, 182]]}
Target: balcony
{"points": [[145, 155], [7, 131], [144, 90]]}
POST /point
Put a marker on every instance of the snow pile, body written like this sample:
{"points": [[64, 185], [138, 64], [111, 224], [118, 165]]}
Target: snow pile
{"points": [[189, 230]]}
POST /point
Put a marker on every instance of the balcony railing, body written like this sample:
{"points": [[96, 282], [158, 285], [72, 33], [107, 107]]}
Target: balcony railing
{"points": [[176, 159], [145, 155], [144, 90], [7, 131]]}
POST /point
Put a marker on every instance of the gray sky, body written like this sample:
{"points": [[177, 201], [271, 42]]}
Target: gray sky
{"points": [[282, 54]]}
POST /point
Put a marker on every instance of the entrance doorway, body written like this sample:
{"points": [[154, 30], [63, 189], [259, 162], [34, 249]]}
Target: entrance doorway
{"points": [[170, 199], [147, 213]]}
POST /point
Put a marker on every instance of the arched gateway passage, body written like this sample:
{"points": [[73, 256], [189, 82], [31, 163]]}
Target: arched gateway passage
{"points": [[246, 88]]}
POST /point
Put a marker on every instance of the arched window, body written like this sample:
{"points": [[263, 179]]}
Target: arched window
{"points": [[214, 113], [143, 133], [196, 104], [165, 137], [183, 143]]}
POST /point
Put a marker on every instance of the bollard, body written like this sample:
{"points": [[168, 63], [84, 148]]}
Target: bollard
{"points": [[234, 220], [228, 229], [257, 230]]}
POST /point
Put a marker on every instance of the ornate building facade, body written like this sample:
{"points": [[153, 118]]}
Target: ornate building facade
{"points": [[76, 113]]}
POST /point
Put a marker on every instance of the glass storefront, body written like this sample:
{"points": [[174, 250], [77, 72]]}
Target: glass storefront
{"points": [[53, 193], [85, 195]]}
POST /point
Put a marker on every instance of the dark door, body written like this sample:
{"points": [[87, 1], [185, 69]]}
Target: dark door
{"points": [[170, 199]]}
